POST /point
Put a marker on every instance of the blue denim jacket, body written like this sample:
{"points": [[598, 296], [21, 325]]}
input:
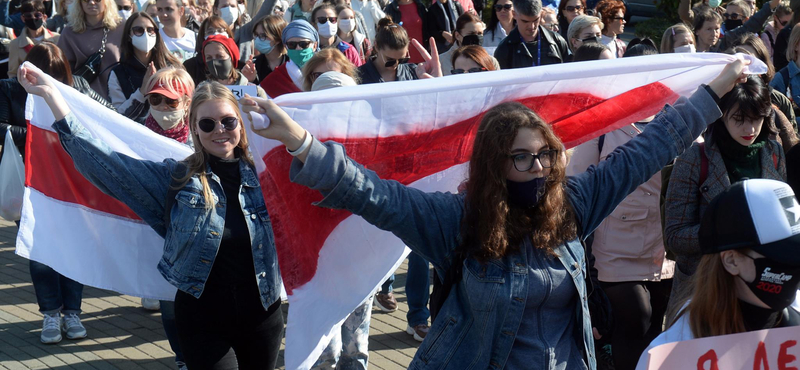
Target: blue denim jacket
{"points": [[193, 236], [479, 320]]}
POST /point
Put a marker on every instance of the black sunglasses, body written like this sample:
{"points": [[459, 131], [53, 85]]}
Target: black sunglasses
{"points": [[471, 70], [322, 20], [125, 7], [139, 30], [500, 8], [783, 24], [155, 100], [390, 62], [733, 16], [571, 8], [208, 124], [292, 45]]}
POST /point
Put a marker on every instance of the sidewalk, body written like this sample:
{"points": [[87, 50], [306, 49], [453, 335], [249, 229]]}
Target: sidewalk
{"points": [[122, 335]]}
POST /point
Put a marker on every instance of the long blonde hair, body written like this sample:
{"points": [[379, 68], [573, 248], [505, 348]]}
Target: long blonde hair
{"points": [[714, 308], [198, 161], [77, 18]]}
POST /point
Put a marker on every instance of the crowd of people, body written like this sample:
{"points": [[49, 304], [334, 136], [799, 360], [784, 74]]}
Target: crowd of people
{"points": [[660, 258]]}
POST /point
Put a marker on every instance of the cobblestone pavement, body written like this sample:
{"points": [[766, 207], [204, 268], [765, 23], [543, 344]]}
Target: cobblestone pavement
{"points": [[122, 335]]}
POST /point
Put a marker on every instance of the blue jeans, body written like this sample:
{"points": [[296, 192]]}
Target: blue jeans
{"points": [[348, 349], [55, 292], [417, 290], [168, 320]]}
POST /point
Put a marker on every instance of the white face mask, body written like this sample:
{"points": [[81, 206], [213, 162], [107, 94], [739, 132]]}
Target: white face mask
{"points": [[216, 33], [125, 14], [347, 25], [241, 8], [326, 29], [229, 14], [144, 42], [169, 119], [685, 49]]}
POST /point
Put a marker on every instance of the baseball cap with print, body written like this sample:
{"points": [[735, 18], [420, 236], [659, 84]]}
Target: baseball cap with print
{"points": [[759, 214]]}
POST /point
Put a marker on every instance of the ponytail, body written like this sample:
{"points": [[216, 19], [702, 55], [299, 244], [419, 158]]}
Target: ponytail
{"points": [[390, 35]]}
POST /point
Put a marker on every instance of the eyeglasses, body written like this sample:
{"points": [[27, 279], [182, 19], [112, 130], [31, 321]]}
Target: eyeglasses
{"points": [[208, 124], [292, 45], [471, 70], [617, 18], [391, 62], [782, 23], [139, 30], [506, 7], [36, 15], [523, 162], [125, 7], [261, 36], [733, 16], [93, 1], [323, 20], [315, 75], [156, 99], [575, 8], [552, 26]]}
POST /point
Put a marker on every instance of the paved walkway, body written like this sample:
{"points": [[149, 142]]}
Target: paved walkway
{"points": [[122, 335]]}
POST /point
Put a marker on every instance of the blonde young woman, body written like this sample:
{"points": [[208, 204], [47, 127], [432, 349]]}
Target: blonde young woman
{"points": [[93, 26], [226, 265]]}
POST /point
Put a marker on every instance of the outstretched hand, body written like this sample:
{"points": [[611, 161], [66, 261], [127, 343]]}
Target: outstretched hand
{"points": [[431, 67], [280, 126], [732, 74]]}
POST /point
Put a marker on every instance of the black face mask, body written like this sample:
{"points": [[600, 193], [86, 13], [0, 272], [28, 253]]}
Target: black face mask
{"points": [[472, 40], [220, 69], [775, 283], [732, 24], [526, 194], [34, 24]]}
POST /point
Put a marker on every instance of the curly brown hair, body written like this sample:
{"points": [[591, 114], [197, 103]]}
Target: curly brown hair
{"points": [[607, 10], [493, 228]]}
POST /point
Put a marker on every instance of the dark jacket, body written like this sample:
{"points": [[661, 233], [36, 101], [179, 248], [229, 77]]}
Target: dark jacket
{"points": [[513, 53], [754, 24], [781, 44], [370, 75], [262, 66], [393, 11], [12, 107], [437, 22]]}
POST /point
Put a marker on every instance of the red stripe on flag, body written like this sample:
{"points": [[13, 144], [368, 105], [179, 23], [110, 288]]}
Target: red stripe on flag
{"points": [[301, 228], [50, 170]]}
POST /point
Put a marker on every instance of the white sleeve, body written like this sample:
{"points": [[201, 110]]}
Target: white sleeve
{"points": [[117, 97]]}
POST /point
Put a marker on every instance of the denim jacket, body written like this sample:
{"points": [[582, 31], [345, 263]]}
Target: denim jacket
{"points": [[193, 236], [477, 325]]}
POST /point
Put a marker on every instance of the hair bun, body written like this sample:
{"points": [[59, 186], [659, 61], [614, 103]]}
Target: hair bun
{"points": [[385, 23]]}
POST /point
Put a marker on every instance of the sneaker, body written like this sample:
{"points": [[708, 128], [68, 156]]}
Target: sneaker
{"points": [[51, 329], [72, 327], [151, 304], [419, 332], [386, 302]]}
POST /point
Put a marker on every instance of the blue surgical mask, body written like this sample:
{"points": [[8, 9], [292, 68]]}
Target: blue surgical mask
{"points": [[263, 47], [526, 194]]}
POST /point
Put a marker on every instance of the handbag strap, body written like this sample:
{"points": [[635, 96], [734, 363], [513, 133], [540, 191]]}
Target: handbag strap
{"points": [[105, 38]]}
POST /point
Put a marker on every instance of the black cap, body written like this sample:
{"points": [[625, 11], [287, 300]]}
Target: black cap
{"points": [[759, 214]]}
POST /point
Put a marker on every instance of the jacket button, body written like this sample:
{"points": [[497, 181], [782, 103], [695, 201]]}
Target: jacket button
{"points": [[704, 189], [263, 274], [214, 233], [253, 216], [259, 245]]}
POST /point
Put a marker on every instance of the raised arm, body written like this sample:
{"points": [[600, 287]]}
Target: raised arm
{"points": [[595, 193], [429, 223], [140, 184]]}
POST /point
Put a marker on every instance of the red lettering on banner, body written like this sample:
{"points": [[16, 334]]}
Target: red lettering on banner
{"points": [[708, 356], [761, 357], [784, 358]]}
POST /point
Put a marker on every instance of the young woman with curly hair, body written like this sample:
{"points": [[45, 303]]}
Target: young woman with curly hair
{"points": [[515, 231]]}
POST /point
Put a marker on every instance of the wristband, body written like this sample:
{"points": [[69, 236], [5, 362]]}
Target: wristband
{"points": [[306, 143]]}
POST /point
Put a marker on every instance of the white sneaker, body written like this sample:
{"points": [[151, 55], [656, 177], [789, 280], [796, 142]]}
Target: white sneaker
{"points": [[72, 327], [51, 328], [151, 304]]}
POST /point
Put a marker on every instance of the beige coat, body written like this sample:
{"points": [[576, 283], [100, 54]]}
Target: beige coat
{"points": [[18, 48], [628, 245]]}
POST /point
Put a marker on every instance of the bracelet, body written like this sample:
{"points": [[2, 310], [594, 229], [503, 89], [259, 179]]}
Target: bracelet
{"points": [[306, 143]]}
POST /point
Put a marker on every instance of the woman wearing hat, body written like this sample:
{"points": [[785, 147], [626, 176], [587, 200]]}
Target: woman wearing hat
{"points": [[221, 56], [749, 271], [302, 41]]}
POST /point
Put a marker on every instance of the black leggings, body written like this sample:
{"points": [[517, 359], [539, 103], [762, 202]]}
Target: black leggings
{"points": [[638, 308], [228, 328]]}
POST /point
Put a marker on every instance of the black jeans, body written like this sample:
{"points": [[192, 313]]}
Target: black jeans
{"points": [[228, 328]]}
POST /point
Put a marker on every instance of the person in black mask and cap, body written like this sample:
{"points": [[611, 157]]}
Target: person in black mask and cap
{"points": [[469, 31], [737, 21], [750, 270], [34, 16], [221, 55]]}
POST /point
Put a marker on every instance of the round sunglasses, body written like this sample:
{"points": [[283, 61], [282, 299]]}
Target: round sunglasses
{"points": [[139, 30], [156, 99], [208, 124]]}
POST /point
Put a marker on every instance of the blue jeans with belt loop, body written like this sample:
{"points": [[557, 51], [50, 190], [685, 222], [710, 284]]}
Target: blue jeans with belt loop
{"points": [[55, 292]]}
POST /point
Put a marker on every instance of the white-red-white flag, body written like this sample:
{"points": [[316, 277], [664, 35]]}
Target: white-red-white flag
{"points": [[417, 132]]}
